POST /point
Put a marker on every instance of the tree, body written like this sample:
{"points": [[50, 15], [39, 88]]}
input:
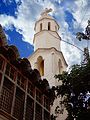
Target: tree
{"points": [[75, 91], [86, 35]]}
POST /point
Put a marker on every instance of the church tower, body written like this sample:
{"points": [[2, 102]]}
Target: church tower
{"points": [[47, 56]]}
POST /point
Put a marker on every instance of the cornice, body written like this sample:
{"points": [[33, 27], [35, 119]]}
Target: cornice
{"points": [[45, 31], [48, 49]]}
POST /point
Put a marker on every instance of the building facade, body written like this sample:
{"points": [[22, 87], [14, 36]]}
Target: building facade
{"points": [[23, 94], [47, 56]]}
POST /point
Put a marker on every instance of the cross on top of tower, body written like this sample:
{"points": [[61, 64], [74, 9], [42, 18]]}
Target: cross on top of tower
{"points": [[46, 11]]}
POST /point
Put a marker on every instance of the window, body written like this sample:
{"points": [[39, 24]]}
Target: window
{"points": [[10, 71], [42, 68], [38, 112], [30, 89], [21, 81], [38, 96], [40, 26], [1, 40], [48, 25], [19, 104], [40, 63], [7, 69], [0, 77], [1, 63], [55, 28], [46, 115], [29, 109], [6, 95], [59, 65], [46, 103]]}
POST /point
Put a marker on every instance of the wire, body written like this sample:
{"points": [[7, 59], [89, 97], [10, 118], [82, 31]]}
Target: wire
{"points": [[66, 42], [73, 45]]}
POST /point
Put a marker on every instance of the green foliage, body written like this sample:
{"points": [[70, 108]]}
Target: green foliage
{"points": [[74, 91]]}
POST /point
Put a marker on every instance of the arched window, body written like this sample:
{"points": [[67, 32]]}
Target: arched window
{"points": [[55, 28], [40, 26], [59, 65], [48, 25], [40, 63], [42, 68]]}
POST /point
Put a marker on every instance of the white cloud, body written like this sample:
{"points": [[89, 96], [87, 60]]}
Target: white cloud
{"points": [[82, 13], [29, 11], [17, 1], [7, 1]]}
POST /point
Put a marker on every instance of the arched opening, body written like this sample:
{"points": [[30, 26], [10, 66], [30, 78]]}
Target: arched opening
{"points": [[40, 63], [55, 28], [59, 65], [48, 25], [40, 26], [42, 68]]}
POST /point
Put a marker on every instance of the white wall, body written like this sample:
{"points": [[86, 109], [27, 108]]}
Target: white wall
{"points": [[51, 57], [54, 25], [46, 39]]}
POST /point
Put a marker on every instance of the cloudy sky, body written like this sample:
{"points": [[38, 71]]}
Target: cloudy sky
{"points": [[18, 19]]}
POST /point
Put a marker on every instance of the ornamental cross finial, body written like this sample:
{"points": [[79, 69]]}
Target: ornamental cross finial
{"points": [[46, 11]]}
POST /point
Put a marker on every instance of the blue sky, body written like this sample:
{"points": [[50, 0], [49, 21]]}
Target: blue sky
{"points": [[18, 19]]}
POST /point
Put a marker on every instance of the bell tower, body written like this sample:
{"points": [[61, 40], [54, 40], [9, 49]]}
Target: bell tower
{"points": [[46, 30], [47, 56]]}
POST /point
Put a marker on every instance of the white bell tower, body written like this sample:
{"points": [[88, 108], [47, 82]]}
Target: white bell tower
{"points": [[46, 30], [47, 56]]}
